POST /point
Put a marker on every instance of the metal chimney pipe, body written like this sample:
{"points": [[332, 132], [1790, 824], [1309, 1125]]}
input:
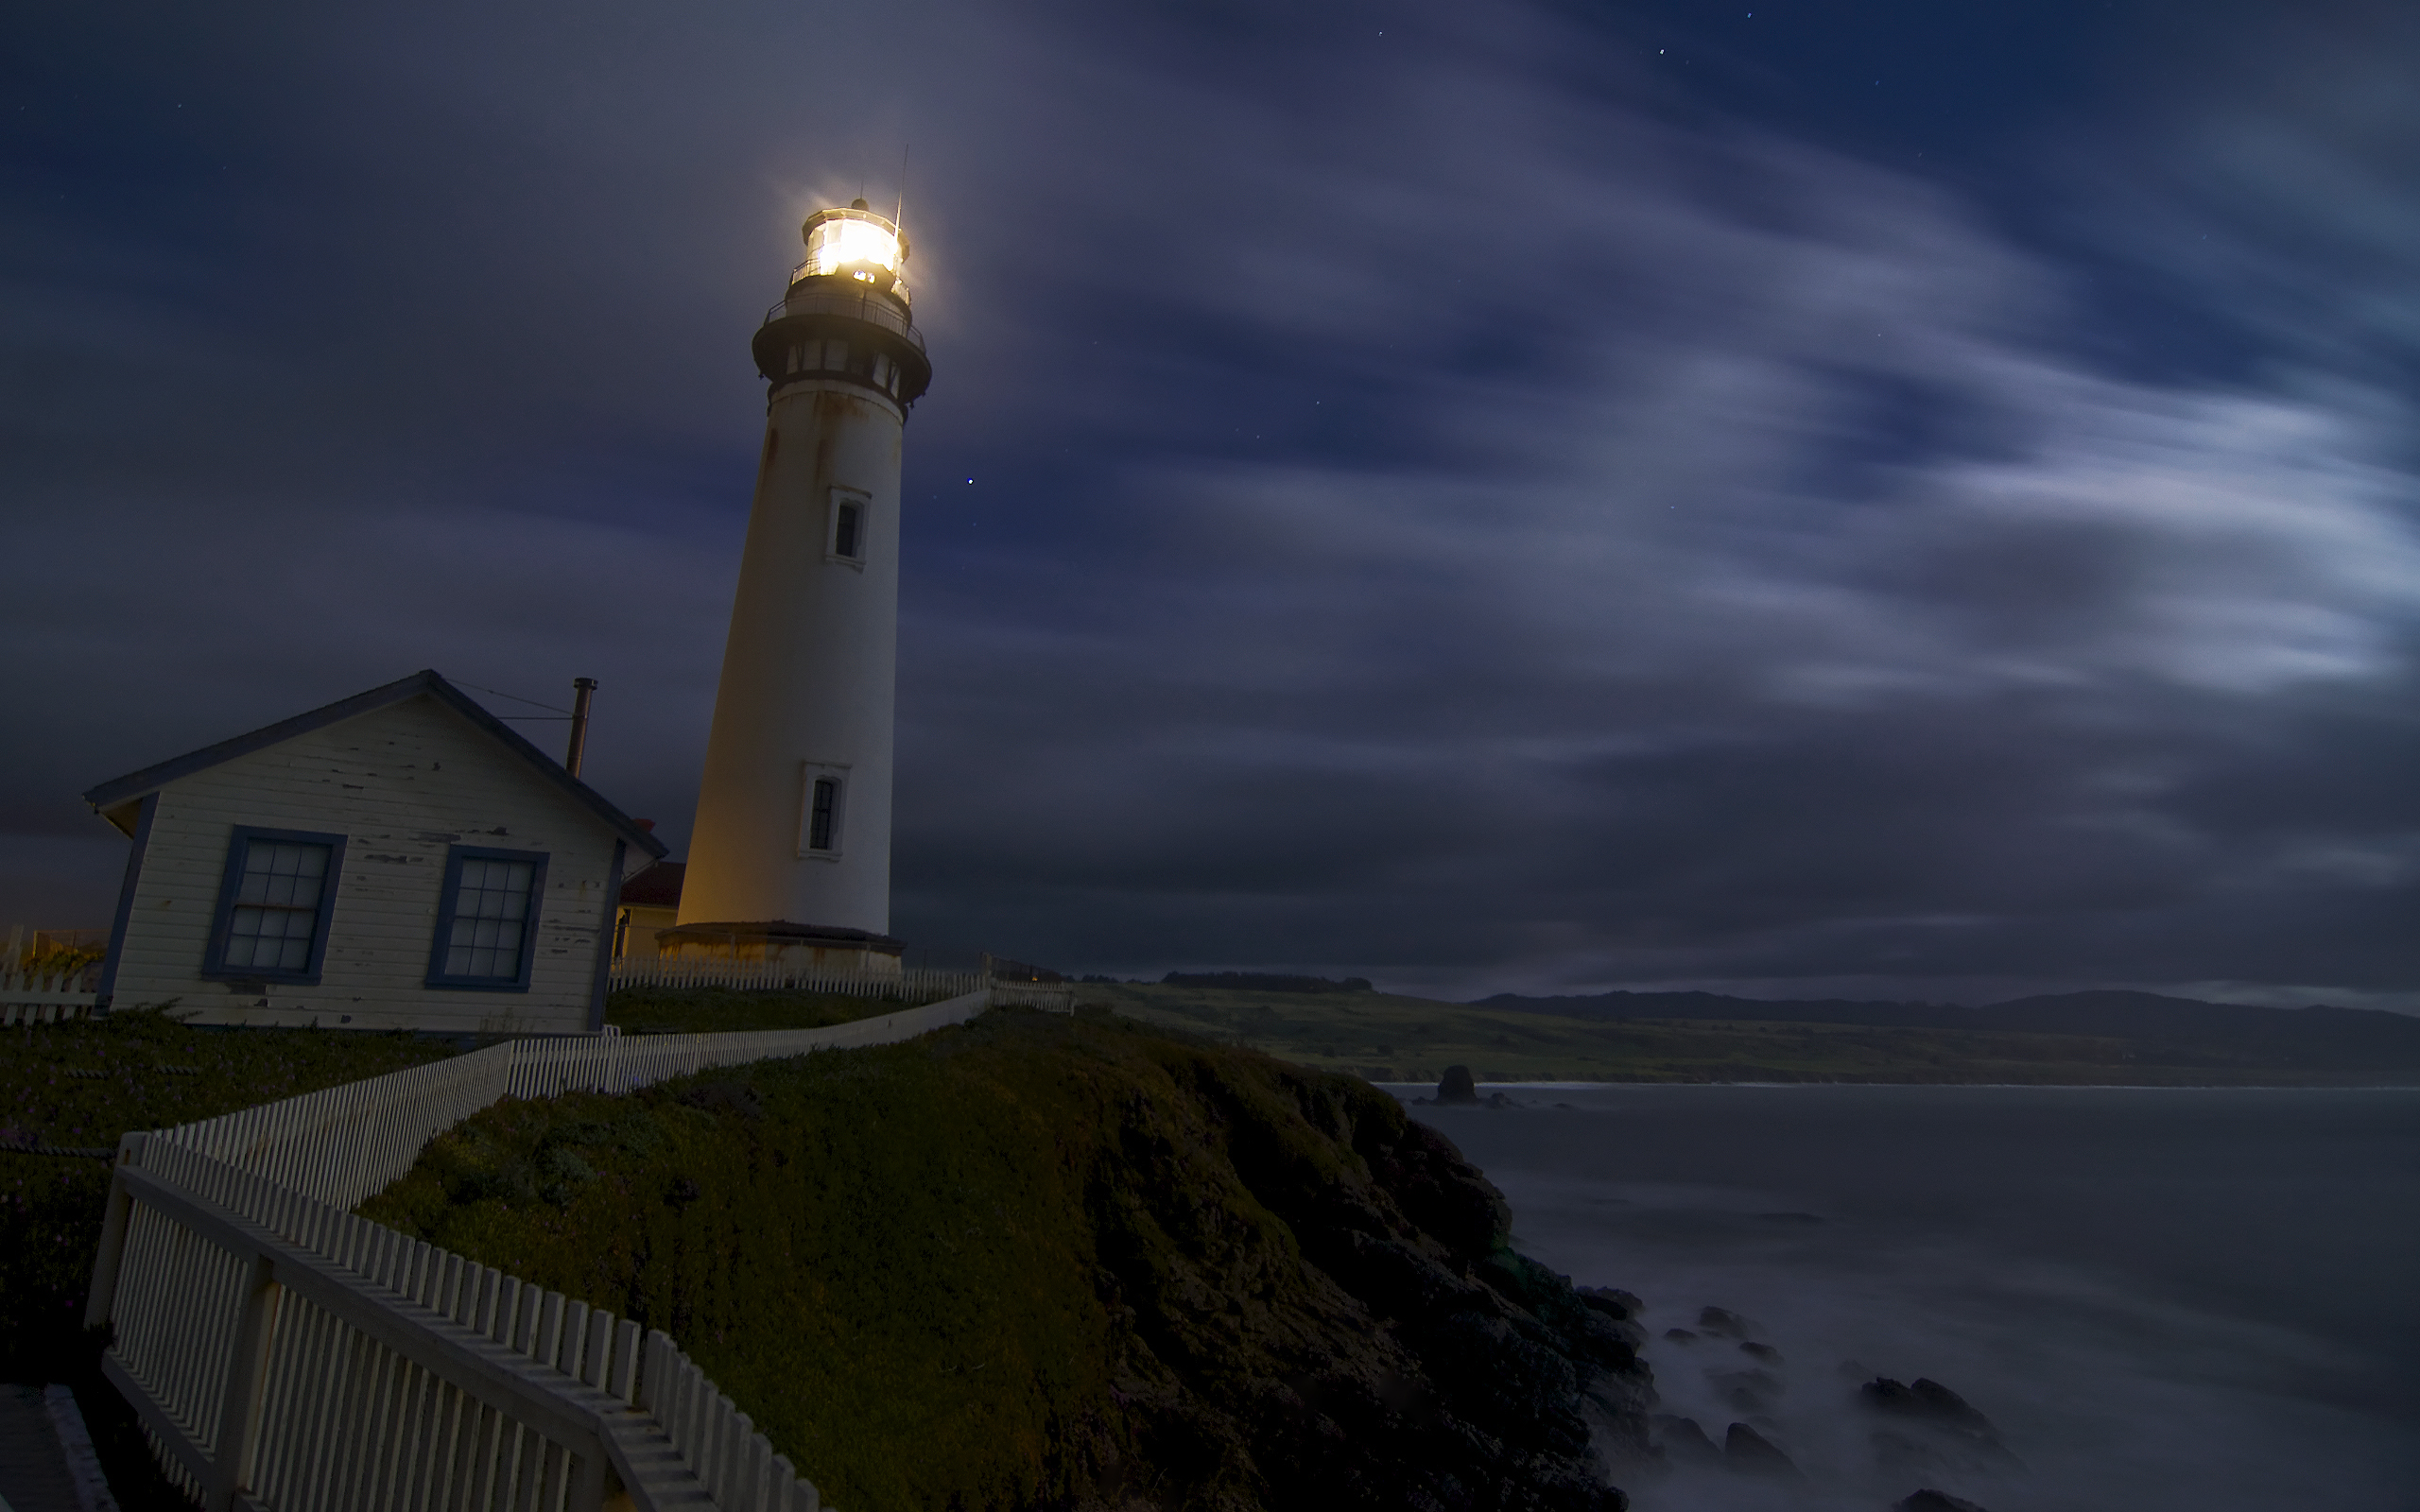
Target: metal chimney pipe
{"points": [[582, 688]]}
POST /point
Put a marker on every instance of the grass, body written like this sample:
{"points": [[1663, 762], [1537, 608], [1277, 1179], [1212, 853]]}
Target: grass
{"points": [[1386, 1036], [82, 1084], [896, 1258]]}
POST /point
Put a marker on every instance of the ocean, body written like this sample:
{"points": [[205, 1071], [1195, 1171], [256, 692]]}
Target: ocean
{"points": [[2203, 1299]]}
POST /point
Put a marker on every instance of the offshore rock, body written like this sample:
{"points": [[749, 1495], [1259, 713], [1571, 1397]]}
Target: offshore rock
{"points": [[1751, 1452], [1685, 1443], [1928, 1401], [1456, 1087], [1933, 1430], [1620, 1308]]}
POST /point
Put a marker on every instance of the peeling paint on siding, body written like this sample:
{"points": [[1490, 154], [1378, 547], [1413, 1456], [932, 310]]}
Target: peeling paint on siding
{"points": [[438, 779]]}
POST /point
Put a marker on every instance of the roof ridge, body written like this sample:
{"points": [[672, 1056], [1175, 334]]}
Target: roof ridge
{"points": [[427, 681]]}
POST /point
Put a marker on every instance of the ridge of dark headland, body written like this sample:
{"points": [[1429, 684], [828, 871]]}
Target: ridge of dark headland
{"points": [[2172, 1030]]}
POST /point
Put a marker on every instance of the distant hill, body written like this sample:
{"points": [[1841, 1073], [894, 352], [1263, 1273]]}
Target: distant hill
{"points": [[2179, 1029], [1264, 982]]}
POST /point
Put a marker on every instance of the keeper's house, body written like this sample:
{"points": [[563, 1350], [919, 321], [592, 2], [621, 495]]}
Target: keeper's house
{"points": [[400, 860]]}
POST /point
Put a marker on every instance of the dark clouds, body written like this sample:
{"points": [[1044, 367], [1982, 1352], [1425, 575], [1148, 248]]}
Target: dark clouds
{"points": [[1489, 505]]}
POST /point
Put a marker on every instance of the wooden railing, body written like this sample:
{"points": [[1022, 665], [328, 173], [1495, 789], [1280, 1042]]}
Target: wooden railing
{"points": [[45, 997], [285, 1354]]}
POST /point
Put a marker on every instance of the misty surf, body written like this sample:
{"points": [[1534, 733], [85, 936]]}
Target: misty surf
{"points": [[2154, 1298]]}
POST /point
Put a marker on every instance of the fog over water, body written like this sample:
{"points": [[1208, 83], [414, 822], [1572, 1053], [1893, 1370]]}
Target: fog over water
{"points": [[2161, 1298]]}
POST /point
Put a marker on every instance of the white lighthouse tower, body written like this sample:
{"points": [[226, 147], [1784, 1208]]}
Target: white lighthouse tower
{"points": [[791, 854]]}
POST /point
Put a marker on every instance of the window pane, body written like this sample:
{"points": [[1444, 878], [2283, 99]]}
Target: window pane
{"points": [[271, 938], [491, 912], [284, 872], [819, 824], [277, 905]]}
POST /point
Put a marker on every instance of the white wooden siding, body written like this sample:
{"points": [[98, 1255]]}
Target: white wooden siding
{"points": [[403, 784]]}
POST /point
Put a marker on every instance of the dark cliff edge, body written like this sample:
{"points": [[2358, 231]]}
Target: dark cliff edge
{"points": [[1042, 1263]]}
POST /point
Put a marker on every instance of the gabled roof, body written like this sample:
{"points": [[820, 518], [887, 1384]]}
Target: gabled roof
{"points": [[658, 886], [152, 779]]}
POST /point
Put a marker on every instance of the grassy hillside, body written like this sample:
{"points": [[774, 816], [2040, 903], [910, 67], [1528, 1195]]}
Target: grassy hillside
{"points": [[1039, 1262], [1389, 1038]]}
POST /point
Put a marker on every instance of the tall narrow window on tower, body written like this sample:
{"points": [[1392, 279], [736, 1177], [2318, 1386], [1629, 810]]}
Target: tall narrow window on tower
{"points": [[818, 821], [823, 811], [847, 541]]}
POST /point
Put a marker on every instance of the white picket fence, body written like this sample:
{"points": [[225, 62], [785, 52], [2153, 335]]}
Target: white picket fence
{"points": [[287, 1356], [1053, 997], [765, 977], [906, 986], [28, 997]]}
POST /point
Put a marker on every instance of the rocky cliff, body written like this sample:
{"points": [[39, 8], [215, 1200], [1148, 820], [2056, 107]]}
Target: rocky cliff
{"points": [[1043, 1263]]}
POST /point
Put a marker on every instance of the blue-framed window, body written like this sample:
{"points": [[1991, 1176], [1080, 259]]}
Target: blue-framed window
{"points": [[487, 919], [275, 900]]}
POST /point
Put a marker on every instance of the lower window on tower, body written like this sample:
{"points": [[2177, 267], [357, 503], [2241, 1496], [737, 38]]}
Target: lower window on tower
{"points": [[826, 793], [818, 820]]}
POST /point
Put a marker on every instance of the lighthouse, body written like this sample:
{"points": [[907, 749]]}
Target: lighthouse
{"points": [[790, 857]]}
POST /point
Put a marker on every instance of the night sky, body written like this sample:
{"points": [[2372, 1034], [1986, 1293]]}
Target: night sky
{"points": [[1910, 500]]}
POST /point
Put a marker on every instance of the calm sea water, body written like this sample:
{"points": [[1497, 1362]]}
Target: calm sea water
{"points": [[2203, 1300]]}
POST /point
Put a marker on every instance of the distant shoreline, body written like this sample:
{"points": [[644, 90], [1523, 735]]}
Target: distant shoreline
{"points": [[1977, 1085], [2083, 1040]]}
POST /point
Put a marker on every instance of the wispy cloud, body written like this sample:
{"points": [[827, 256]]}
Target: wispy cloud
{"points": [[1450, 505]]}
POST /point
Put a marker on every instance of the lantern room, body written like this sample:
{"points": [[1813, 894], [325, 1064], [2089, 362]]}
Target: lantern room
{"points": [[855, 243]]}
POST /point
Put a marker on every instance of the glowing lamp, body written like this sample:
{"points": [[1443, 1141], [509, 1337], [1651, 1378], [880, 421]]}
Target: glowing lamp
{"points": [[855, 243]]}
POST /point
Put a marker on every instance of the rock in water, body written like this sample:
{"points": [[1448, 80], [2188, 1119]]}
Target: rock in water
{"points": [[1930, 1500], [1927, 1401], [1751, 1452], [1618, 1308], [1456, 1087], [1623, 1307], [1685, 1443], [1938, 1432], [1949, 1407], [1724, 1321]]}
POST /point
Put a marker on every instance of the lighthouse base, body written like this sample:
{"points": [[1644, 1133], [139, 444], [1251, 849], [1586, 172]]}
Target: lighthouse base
{"points": [[778, 942]]}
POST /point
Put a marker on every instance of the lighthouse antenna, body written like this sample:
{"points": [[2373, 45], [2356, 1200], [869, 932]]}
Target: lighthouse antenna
{"points": [[900, 208]]}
